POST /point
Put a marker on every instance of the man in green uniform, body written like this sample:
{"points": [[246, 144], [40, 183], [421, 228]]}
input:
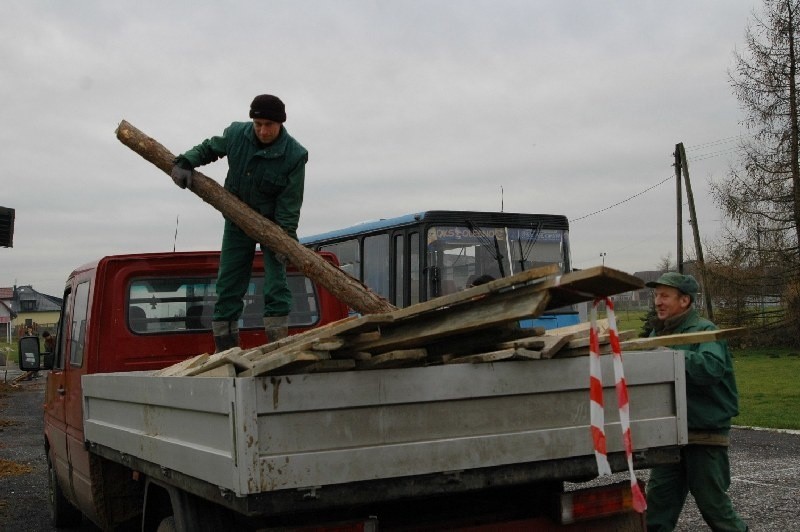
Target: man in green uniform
{"points": [[266, 170], [712, 400]]}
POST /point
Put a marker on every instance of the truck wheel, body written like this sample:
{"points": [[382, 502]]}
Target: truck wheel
{"points": [[167, 524], [62, 512]]}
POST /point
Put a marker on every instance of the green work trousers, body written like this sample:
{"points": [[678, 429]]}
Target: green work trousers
{"points": [[233, 277], [704, 471]]}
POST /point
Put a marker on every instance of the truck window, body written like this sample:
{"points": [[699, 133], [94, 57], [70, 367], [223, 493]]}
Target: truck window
{"points": [[78, 324], [63, 327], [167, 305]]}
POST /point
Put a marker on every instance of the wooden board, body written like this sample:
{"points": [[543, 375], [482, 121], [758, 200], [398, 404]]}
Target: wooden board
{"points": [[682, 339], [588, 284], [477, 292], [394, 359], [554, 344], [282, 362], [180, 367], [579, 329], [502, 308]]}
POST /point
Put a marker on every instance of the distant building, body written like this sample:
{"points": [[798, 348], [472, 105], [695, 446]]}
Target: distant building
{"points": [[22, 307]]}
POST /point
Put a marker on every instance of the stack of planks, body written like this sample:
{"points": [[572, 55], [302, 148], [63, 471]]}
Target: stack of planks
{"points": [[480, 324]]}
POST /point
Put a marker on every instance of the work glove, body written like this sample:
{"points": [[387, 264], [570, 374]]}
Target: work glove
{"points": [[283, 259], [181, 176]]}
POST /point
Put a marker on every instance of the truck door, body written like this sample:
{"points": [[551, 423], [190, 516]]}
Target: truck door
{"points": [[75, 367], [55, 424]]}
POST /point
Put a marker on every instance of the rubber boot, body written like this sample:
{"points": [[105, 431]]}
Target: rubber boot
{"points": [[276, 327], [226, 335]]}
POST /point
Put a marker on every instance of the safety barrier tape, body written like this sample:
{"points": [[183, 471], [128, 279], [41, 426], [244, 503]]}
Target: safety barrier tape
{"points": [[597, 415]]}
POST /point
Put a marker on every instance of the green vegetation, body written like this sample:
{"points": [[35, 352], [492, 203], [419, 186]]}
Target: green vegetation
{"points": [[9, 351], [769, 395]]}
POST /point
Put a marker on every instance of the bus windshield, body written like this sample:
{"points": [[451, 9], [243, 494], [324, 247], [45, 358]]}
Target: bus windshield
{"points": [[457, 255]]}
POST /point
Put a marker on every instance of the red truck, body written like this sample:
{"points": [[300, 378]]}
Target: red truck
{"points": [[403, 449]]}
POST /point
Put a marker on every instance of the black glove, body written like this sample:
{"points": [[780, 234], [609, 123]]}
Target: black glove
{"points": [[181, 176]]}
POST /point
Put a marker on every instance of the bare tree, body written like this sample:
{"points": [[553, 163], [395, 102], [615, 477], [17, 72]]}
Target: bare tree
{"points": [[761, 196]]}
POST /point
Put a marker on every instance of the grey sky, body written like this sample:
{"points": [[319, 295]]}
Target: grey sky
{"points": [[570, 107]]}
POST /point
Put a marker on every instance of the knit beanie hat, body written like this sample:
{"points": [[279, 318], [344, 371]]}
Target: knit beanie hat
{"points": [[268, 107]]}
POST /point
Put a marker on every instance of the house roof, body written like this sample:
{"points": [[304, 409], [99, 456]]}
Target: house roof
{"points": [[6, 293], [42, 302]]}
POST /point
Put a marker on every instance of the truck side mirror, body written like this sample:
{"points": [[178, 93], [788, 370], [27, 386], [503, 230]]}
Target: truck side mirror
{"points": [[29, 353]]}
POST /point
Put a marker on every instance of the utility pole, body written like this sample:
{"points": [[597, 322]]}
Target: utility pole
{"points": [[684, 164], [679, 203]]}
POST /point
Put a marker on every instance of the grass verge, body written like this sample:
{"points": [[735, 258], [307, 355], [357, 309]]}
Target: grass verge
{"points": [[769, 395]]}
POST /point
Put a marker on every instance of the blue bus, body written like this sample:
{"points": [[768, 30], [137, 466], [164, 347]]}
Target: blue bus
{"points": [[416, 257]]}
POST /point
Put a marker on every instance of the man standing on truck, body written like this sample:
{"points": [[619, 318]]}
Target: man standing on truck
{"points": [[712, 400], [266, 170]]}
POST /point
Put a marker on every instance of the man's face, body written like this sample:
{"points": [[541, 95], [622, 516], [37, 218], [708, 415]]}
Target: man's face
{"points": [[670, 302], [266, 130]]}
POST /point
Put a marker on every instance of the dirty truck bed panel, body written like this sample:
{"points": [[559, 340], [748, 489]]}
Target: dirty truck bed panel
{"points": [[264, 434]]}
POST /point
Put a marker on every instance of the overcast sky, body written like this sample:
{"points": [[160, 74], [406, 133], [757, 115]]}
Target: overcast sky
{"points": [[567, 107]]}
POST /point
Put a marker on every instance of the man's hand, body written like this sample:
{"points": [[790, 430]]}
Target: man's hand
{"points": [[181, 176], [283, 259]]}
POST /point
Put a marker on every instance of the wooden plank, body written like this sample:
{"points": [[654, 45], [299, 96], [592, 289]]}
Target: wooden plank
{"points": [[306, 340], [228, 370], [470, 344], [602, 339], [324, 366], [588, 284], [394, 359], [554, 344], [232, 356], [579, 329], [476, 292], [682, 339], [327, 344], [482, 358], [533, 342], [520, 353], [177, 369], [501, 308], [286, 361]]}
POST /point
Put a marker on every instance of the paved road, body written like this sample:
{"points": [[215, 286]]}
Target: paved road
{"points": [[765, 467]]}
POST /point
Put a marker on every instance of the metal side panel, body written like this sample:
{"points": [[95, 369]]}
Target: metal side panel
{"points": [[320, 429], [181, 424], [260, 434]]}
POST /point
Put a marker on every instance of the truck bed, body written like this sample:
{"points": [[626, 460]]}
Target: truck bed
{"points": [[460, 425]]}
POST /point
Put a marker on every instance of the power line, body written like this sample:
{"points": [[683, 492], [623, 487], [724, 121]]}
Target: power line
{"points": [[623, 201], [717, 142]]}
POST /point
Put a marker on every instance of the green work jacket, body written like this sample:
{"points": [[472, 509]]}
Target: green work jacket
{"points": [[269, 179], [711, 395]]}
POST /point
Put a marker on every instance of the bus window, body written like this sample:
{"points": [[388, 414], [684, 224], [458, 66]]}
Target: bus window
{"points": [[376, 263], [458, 254], [349, 257], [399, 263], [414, 267]]}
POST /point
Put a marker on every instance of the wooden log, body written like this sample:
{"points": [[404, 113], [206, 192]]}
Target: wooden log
{"points": [[344, 287]]}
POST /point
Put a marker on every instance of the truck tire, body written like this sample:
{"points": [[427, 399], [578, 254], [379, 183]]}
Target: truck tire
{"points": [[62, 512]]}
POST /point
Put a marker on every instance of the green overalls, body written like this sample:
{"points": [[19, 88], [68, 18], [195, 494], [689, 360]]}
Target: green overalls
{"points": [[269, 179], [704, 470]]}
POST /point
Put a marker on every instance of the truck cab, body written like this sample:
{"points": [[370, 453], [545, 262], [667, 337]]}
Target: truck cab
{"points": [[136, 313]]}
